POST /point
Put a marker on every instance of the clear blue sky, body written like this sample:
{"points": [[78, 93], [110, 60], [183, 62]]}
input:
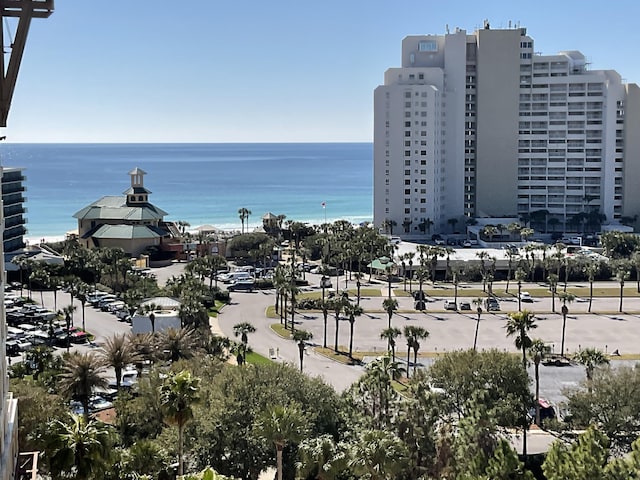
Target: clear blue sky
{"points": [[261, 71]]}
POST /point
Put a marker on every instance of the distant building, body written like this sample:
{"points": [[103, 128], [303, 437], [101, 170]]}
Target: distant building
{"points": [[13, 208], [481, 125], [12, 194], [128, 221]]}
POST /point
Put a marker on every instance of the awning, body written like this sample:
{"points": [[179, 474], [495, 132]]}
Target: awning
{"points": [[381, 263]]}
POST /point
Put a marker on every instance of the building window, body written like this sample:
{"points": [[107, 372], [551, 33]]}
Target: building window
{"points": [[427, 46]]}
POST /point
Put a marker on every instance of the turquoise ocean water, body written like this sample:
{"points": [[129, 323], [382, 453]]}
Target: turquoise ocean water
{"points": [[199, 183]]}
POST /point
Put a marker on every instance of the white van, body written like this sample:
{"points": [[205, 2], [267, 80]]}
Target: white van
{"points": [[235, 277]]}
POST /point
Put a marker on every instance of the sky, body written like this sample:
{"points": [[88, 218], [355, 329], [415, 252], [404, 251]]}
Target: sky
{"points": [[261, 71]]}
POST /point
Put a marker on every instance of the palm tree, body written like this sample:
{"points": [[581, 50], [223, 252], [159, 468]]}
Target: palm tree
{"points": [[520, 276], [83, 292], [622, 273], [591, 358], [325, 306], [149, 310], [390, 305], [553, 285], [591, 270], [414, 334], [68, 312], [538, 350], [321, 458], [478, 303], [519, 324], [177, 343], [390, 335], [352, 311], [282, 424], [80, 446], [244, 213], [178, 394], [566, 298], [118, 353], [81, 374], [301, 336], [243, 330], [338, 304]]}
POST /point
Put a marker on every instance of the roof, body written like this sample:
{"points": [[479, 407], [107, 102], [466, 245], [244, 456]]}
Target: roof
{"points": [[208, 228], [381, 263], [137, 171], [125, 232], [269, 216], [162, 302], [115, 208], [137, 190]]}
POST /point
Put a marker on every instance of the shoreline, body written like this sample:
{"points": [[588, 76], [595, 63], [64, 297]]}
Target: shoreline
{"points": [[226, 228]]}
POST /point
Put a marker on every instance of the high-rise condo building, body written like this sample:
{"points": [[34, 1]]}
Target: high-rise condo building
{"points": [[481, 125]]}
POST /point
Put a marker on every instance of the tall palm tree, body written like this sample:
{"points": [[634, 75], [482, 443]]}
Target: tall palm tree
{"points": [[413, 335], [83, 293], [178, 394], [390, 335], [68, 312], [478, 303], [520, 276], [81, 374], [622, 273], [519, 324], [390, 305], [244, 213], [591, 358], [118, 353], [591, 270], [352, 311], [538, 350], [281, 425], [325, 306], [552, 278], [337, 305], [78, 445], [566, 298], [301, 336]]}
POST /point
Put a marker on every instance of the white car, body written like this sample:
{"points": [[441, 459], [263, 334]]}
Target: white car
{"points": [[525, 297]]}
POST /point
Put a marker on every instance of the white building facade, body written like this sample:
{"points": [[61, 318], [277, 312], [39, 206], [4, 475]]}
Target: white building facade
{"points": [[478, 125]]}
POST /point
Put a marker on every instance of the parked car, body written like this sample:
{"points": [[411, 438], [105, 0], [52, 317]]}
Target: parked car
{"points": [[492, 304], [465, 306], [525, 297], [450, 305], [242, 285], [466, 244], [325, 282]]}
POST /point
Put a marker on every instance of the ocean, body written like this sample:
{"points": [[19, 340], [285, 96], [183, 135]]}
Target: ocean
{"points": [[198, 183]]}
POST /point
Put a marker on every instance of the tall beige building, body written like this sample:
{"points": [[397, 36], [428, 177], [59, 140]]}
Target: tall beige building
{"points": [[480, 125]]}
